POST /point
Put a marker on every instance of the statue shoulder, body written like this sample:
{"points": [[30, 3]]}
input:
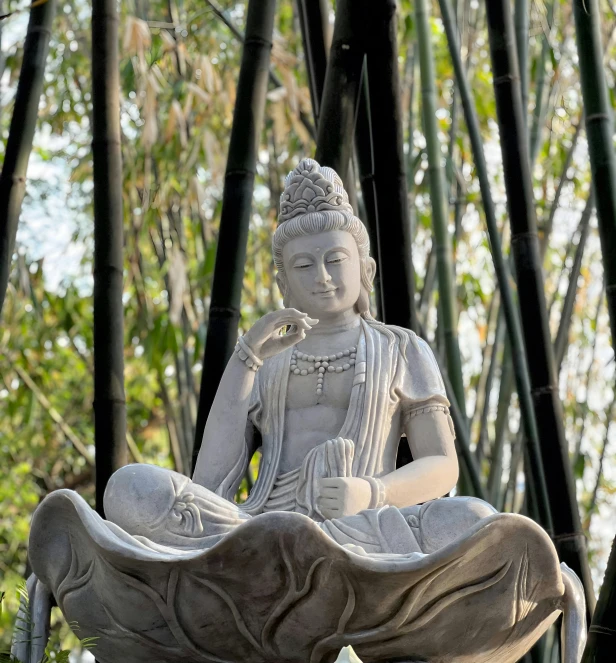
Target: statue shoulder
{"points": [[412, 347], [418, 373]]}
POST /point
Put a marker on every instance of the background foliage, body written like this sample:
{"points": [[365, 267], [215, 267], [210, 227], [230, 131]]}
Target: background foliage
{"points": [[179, 70]]}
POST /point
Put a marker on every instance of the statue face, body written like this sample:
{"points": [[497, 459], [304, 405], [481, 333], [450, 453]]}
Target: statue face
{"points": [[323, 272]]}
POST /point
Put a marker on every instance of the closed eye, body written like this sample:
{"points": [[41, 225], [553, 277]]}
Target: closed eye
{"points": [[337, 258], [303, 265]]}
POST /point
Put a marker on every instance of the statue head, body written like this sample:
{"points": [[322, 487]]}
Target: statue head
{"points": [[321, 249]]}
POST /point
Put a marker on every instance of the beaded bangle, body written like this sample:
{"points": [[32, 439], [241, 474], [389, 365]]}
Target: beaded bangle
{"points": [[378, 492], [245, 353]]}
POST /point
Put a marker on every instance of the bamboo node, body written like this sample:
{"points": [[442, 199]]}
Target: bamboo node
{"points": [[541, 391], [602, 117], [259, 41], [519, 237], [224, 311], [567, 537], [239, 171], [602, 630], [506, 78]]}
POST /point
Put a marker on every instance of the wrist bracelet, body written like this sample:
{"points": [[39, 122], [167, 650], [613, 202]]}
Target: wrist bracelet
{"points": [[378, 493], [245, 354]]}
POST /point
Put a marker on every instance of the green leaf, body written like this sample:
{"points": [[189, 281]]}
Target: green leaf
{"points": [[580, 464]]}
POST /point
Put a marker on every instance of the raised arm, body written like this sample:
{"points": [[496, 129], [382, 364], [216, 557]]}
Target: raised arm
{"points": [[224, 448]]}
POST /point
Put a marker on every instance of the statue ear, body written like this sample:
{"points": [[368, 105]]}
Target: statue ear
{"points": [[362, 305], [281, 283], [284, 290], [370, 269]]}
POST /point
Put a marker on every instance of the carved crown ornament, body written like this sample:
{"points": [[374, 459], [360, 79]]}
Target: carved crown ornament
{"points": [[312, 188]]}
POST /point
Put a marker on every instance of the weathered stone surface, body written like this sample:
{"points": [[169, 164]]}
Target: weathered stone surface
{"points": [[277, 588]]}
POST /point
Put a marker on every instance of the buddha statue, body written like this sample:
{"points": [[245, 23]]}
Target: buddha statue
{"points": [[334, 545]]}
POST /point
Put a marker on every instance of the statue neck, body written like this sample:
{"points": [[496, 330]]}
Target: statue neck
{"points": [[338, 324]]}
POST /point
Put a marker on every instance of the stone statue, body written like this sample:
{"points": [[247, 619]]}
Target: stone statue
{"points": [[334, 546]]}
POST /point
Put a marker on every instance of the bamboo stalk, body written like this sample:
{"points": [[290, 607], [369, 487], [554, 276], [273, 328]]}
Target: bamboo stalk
{"points": [[599, 131], [274, 80], [564, 270], [499, 332], [109, 398], [562, 336], [600, 642], [444, 256], [236, 205], [314, 21], [342, 88], [410, 129], [522, 16], [425, 296], [393, 224], [546, 231], [365, 168], [501, 426], [21, 133], [538, 117], [2, 66], [568, 535], [492, 318], [510, 310], [580, 438], [469, 464], [592, 502]]}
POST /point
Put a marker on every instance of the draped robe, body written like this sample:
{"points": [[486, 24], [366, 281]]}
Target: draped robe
{"points": [[395, 372]]}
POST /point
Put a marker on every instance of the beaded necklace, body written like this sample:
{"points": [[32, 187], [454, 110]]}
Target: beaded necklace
{"points": [[322, 364]]}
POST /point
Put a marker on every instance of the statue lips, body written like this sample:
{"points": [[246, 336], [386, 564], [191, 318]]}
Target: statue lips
{"points": [[325, 293]]}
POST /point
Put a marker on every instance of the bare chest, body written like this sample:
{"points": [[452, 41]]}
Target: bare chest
{"points": [[332, 391]]}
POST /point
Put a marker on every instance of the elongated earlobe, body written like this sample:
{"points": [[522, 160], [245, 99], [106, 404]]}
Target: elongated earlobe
{"points": [[362, 306]]}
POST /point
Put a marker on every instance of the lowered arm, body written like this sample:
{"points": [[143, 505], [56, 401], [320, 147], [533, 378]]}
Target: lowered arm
{"points": [[434, 470]]}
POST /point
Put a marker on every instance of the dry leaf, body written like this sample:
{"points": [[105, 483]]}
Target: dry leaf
{"points": [[168, 41], [278, 115], [150, 119], [177, 284], [176, 120], [209, 78], [291, 87], [205, 97], [137, 38]]}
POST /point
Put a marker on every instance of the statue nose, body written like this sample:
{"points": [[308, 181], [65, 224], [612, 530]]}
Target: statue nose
{"points": [[323, 275]]}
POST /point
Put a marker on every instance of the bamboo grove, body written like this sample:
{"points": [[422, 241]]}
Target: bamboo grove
{"points": [[473, 136]]}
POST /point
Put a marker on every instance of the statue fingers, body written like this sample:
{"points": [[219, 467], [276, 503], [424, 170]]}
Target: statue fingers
{"points": [[330, 492], [288, 340], [332, 482], [291, 316], [298, 316], [329, 502], [329, 511], [276, 343]]}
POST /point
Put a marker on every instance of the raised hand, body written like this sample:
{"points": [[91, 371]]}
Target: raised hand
{"points": [[264, 336]]}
